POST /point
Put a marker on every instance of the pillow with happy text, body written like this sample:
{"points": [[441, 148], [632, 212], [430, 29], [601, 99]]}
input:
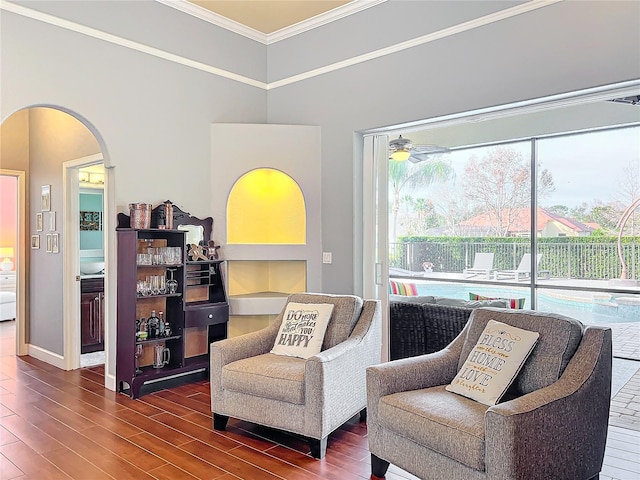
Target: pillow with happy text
{"points": [[494, 362], [302, 329]]}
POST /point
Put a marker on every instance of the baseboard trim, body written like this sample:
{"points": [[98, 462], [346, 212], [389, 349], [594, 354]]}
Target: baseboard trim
{"points": [[110, 382], [47, 356]]}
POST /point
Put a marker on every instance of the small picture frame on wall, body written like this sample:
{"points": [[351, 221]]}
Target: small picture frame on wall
{"points": [[39, 226], [45, 198], [55, 245], [52, 221], [35, 242], [49, 247]]}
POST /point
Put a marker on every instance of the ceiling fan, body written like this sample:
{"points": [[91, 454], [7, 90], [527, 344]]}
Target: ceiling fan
{"points": [[402, 149]]}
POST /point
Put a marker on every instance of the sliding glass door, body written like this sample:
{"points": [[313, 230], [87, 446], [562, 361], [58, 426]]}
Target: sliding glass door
{"points": [[536, 204]]}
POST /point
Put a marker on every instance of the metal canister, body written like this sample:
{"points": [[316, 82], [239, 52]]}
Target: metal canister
{"points": [[140, 214]]}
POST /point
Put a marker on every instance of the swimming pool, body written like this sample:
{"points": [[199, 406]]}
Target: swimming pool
{"points": [[588, 307]]}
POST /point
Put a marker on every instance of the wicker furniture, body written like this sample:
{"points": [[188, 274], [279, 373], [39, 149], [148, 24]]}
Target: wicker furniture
{"points": [[309, 397], [416, 329], [552, 425]]}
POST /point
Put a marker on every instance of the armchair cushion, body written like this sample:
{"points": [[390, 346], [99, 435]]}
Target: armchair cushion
{"points": [[302, 329], [449, 424], [268, 376], [559, 338], [494, 362]]}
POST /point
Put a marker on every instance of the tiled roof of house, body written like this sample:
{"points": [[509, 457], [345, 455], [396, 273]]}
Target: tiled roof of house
{"points": [[520, 221]]}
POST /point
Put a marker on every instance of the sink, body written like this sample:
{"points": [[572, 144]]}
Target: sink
{"points": [[91, 268]]}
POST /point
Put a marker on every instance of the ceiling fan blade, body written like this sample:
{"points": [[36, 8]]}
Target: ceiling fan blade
{"points": [[429, 149], [417, 157]]}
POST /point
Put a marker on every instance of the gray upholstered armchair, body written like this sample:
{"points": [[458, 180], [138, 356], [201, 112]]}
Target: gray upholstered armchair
{"points": [[310, 397], [552, 425]]}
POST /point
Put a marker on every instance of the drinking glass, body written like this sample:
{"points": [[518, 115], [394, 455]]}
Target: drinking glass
{"points": [[172, 283]]}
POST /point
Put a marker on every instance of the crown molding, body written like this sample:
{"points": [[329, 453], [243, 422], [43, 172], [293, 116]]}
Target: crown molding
{"points": [[322, 19], [430, 37], [446, 32], [269, 38], [123, 42]]}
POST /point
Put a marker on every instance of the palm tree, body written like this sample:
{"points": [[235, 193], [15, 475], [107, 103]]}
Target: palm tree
{"points": [[407, 175]]}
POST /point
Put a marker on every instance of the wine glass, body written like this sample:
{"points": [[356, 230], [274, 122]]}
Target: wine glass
{"points": [[172, 283]]}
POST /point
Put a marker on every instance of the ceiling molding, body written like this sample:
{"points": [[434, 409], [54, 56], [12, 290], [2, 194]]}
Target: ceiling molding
{"points": [[269, 38], [453, 30], [430, 37], [322, 19]]}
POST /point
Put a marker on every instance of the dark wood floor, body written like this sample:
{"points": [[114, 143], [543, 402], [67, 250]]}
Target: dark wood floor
{"points": [[59, 425]]}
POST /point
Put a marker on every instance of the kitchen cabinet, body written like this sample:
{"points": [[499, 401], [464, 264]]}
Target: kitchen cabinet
{"points": [[91, 315]]}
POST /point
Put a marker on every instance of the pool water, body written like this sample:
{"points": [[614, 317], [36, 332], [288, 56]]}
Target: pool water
{"points": [[588, 307]]}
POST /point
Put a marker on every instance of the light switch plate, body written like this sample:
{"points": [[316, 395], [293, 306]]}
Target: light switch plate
{"points": [[326, 257]]}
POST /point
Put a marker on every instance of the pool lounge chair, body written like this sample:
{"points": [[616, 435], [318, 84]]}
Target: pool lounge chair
{"points": [[523, 271], [482, 265]]}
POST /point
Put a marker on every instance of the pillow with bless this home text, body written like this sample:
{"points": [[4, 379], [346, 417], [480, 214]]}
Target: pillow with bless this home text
{"points": [[494, 362], [302, 329]]}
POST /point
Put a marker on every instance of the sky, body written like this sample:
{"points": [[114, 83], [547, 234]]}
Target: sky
{"points": [[585, 168]]}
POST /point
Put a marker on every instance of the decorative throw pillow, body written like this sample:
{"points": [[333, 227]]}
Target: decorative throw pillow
{"points": [[302, 330], [494, 362], [402, 288], [513, 303]]}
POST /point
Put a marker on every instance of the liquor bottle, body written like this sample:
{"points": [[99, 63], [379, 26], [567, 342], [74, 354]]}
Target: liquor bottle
{"points": [[153, 323], [161, 324], [142, 331]]}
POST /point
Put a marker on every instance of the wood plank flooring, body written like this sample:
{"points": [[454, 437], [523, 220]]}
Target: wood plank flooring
{"points": [[65, 425]]}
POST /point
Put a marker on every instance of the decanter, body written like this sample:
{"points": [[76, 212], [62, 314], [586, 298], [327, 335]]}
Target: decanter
{"points": [[153, 325]]}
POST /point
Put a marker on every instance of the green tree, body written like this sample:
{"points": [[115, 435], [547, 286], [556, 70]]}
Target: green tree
{"points": [[417, 215], [561, 210], [404, 175]]}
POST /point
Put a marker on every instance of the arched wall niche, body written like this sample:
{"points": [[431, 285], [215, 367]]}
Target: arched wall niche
{"points": [[266, 206]]}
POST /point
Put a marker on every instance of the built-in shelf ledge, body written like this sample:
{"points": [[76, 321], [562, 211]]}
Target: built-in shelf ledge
{"points": [[259, 303]]}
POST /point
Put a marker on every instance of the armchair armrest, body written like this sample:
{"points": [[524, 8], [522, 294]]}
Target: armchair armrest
{"points": [[414, 373], [543, 428], [335, 379], [244, 346]]}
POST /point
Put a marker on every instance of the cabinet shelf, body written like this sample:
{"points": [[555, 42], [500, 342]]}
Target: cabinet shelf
{"points": [[161, 265], [157, 339], [160, 295]]}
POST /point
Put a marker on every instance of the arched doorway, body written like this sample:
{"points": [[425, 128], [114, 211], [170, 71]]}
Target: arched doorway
{"points": [[39, 141]]}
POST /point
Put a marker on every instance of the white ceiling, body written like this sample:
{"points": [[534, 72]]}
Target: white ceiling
{"points": [[268, 16]]}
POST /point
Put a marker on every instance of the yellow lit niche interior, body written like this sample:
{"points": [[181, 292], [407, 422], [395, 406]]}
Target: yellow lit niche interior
{"points": [[265, 277], [266, 206]]}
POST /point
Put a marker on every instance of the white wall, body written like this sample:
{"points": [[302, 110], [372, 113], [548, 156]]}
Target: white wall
{"points": [[153, 116]]}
